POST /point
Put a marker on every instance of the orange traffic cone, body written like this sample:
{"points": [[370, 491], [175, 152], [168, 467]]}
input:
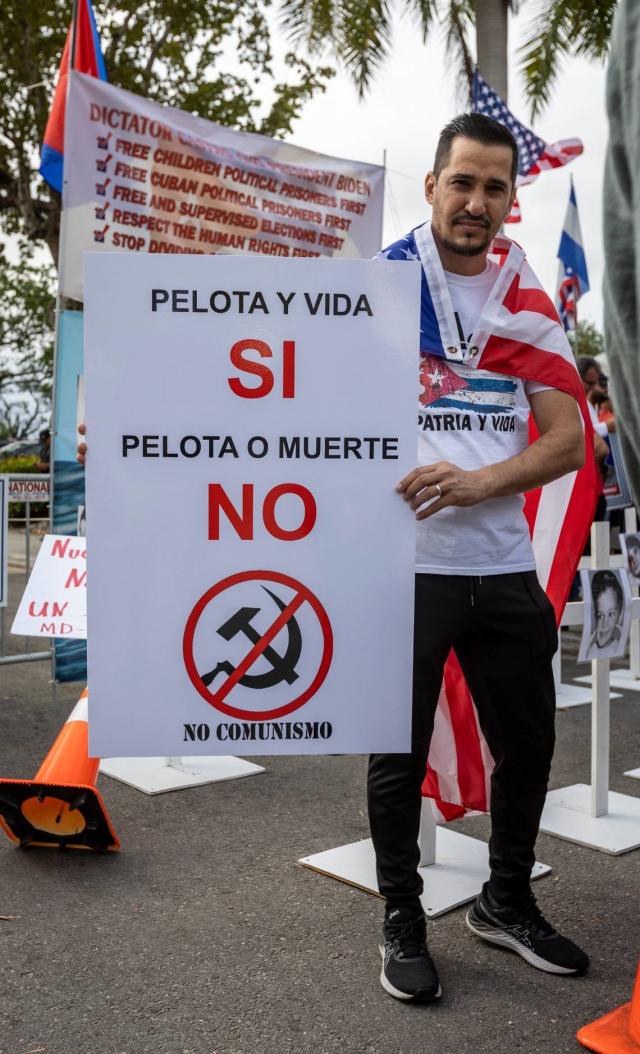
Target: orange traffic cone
{"points": [[60, 806], [617, 1032]]}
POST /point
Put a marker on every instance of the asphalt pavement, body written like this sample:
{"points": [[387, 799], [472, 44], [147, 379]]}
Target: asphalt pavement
{"points": [[204, 936]]}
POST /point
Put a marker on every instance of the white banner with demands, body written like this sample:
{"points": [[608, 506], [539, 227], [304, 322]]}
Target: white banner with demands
{"points": [[54, 604], [247, 423], [140, 177]]}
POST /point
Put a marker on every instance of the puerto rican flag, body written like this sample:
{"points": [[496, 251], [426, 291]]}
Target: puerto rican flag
{"points": [[573, 277], [87, 59], [534, 155], [518, 334]]}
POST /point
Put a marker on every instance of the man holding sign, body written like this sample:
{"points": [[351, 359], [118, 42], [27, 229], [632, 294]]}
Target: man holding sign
{"points": [[492, 354]]}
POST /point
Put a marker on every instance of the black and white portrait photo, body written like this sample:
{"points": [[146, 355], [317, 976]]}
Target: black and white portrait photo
{"points": [[607, 614], [630, 544]]}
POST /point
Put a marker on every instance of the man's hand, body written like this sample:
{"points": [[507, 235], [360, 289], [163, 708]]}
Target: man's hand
{"points": [[559, 449], [81, 450], [441, 485]]}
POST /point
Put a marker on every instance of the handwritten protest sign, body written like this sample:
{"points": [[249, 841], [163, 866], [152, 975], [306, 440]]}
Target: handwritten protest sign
{"points": [[54, 604], [4, 540]]}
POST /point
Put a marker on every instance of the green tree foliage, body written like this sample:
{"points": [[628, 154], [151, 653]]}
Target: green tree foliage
{"points": [[359, 34], [562, 28], [181, 52], [26, 346], [586, 339]]}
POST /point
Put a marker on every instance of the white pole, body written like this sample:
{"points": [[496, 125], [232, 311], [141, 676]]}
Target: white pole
{"points": [[600, 559], [427, 837], [556, 664]]}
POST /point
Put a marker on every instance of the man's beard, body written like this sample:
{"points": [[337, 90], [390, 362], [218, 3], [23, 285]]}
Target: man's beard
{"points": [[455, 247], [465, 250]]}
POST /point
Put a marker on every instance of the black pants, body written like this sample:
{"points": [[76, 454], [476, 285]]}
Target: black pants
{"points": [[502, 629]]}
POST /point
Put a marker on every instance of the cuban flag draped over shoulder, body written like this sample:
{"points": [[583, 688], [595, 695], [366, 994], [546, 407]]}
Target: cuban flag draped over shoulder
{"points": [[573, 277], [87, 59], [534, 155], [518, 334]]}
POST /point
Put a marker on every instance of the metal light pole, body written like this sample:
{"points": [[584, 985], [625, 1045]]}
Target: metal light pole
{"points": [[491, 43]]}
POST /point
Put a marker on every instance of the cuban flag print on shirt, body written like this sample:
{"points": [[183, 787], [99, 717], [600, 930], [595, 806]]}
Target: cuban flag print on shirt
{"points": [[518, 335], [573, 277], [87, 59], [464, 389]]}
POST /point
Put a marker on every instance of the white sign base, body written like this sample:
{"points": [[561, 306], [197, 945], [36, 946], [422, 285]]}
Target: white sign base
{"points": [[461, 869], [617, 679], [570, 695], [158, 775], [567, 814]]}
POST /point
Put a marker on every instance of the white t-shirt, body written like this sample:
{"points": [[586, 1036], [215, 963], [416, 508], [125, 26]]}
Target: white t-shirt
{"points": [[472, 418], [598, 426]]}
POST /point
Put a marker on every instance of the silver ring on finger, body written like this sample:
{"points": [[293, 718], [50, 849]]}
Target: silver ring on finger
{"points": [[438, 489]]}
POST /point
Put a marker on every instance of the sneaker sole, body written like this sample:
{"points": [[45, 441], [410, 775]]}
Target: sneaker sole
{"points": [[420, 996], [505, 940]]}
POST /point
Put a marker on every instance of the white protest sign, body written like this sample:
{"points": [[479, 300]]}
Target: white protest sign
{"points": [[141, 177], [54, 604], [248, 420], [26, 488], [4, 540]]}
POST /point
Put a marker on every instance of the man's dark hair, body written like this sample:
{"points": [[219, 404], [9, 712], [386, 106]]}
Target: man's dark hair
{"points": [[603, 580], [479, 128], [586, 363]]}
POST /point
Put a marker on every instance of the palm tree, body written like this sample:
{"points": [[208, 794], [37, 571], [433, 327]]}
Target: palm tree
{"points": [[359, 34]]}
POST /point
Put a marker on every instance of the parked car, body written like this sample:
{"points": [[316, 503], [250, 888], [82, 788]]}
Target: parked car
{"points": [[21, 447]]}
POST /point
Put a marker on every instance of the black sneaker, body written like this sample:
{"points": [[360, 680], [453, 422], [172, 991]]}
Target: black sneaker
{"points": [[407, 968], [526, 931]]}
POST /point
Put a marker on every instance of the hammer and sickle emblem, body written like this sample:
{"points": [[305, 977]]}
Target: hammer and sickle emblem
{"points": [[282, 666]]}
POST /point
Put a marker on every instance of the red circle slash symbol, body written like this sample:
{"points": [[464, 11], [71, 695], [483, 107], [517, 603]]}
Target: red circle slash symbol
{"points": [[282, 667]]}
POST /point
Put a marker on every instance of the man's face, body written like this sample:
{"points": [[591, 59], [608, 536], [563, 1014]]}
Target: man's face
{"points": [[471, 197], [591, 383], [607, 615], [633, 551]]}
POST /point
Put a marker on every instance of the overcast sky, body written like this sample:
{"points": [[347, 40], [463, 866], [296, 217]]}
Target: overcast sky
{"points": [[414, 96]]}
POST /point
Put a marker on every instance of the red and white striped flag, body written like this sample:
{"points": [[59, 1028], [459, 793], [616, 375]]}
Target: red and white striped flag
{"points": [[515, 216]]}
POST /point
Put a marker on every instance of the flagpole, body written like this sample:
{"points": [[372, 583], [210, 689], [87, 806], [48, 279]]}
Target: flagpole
{"points": [[74, 34], [56, 339]]}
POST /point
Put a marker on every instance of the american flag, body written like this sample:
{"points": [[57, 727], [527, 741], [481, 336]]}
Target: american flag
{"points": [[519, 334], [515, 215], [534, 155]]}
